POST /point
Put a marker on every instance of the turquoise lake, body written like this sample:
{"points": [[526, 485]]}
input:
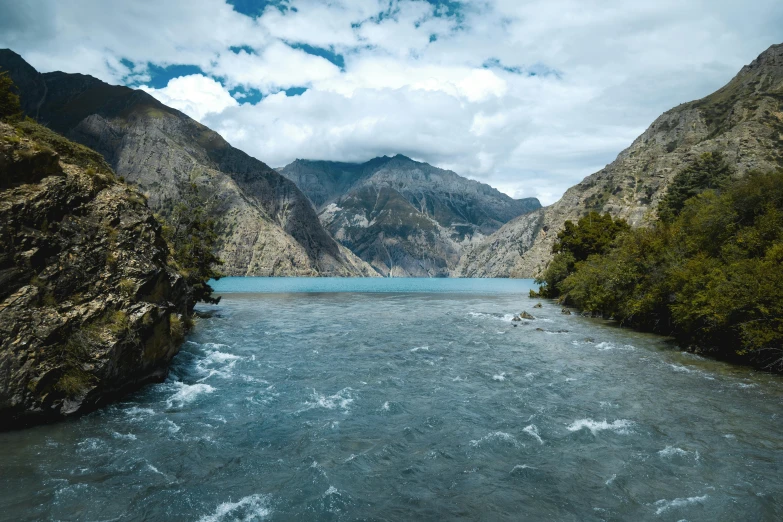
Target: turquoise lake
{"points": [[411, 399]]}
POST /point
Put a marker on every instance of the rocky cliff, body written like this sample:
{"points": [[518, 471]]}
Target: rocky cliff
{"points": [[405, 218], [266, 225], [91, 303], [743, 120]]}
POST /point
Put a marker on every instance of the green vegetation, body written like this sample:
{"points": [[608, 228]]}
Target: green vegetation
{"points": [[709, 274], [193, 238], [708, 172], [593, 234], [10, 109], [176, 327], [69, 151], [127, 287], [74, 379]]}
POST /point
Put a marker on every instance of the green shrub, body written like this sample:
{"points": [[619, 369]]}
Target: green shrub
{"points": [[127, 287], [117, 322], [176, 327]]}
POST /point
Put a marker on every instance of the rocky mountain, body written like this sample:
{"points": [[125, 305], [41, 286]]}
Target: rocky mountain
{"points": [[92, 304], [405, 218], [266, 225], [743, 120]]}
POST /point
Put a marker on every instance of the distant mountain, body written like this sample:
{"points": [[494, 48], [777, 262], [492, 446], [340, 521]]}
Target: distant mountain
{"points": [[404, 217], [743, 120], [266, 225]]}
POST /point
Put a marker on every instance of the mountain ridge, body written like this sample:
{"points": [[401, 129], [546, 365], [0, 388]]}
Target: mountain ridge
{"points": [[404, 217], [266, 225], [743, 120]]}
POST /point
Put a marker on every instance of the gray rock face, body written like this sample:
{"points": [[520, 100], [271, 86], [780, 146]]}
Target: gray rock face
{"points": [[91, 303], [266, 225], [497, 254], [405, 218], [743, 120]]}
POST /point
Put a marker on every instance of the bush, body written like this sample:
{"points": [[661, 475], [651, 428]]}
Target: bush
{"points": [[176, 327], [127, 287]]}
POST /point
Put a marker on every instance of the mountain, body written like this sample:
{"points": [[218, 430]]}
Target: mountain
{"points": [[92, 303], [267, 227], [743, 120], [404, 217]]}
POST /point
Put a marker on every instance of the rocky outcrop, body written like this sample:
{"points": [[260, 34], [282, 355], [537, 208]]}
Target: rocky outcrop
{"points": [[266, 225], [743, 120], [499, 253], [91, 303], [405, 218]]}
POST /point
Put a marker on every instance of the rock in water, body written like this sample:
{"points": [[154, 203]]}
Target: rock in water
{"points": [[538, 305], [525, 315], [91, 302], [565, 311]]}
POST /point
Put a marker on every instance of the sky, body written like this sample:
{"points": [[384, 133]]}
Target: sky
{"points": [[529, 96]]}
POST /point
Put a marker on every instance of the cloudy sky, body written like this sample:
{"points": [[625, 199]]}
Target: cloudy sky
{"points": [[528, 96]]}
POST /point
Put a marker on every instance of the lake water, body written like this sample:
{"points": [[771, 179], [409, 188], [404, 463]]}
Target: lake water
{"points": [[411, 399]]}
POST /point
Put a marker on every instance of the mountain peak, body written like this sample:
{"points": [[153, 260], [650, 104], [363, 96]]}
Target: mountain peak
{"points": [[768, 62]]}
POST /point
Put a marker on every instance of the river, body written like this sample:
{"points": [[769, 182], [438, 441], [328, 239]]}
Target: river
{"points": [[411, 399]]}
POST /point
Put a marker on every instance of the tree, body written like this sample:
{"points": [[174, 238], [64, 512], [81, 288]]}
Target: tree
{"points": [[592, 234], [193, 236], [708, 172], [10, 109], [712, 277]]}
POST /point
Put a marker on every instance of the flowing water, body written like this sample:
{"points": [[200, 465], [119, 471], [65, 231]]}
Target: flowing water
{"points": [[411, 400]]}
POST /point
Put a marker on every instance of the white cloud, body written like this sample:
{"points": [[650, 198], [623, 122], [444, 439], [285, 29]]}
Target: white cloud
{"points": [[278, 66], [195, 95], [413, 82]]}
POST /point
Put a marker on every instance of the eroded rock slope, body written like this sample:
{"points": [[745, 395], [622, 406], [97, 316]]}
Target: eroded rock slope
{"points": [[91, 302]]}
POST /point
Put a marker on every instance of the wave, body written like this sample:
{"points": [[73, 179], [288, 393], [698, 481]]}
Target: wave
{"points": [[665, 505], [342, 399], [684, 369], [247, 509], [500, 377], [135, 411], [496, 436], [671, 451], [123, 436], [216, 362], [621, 426], [606, 346], [187, 393], [532, 430], [425, 348], [506, 318]]}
